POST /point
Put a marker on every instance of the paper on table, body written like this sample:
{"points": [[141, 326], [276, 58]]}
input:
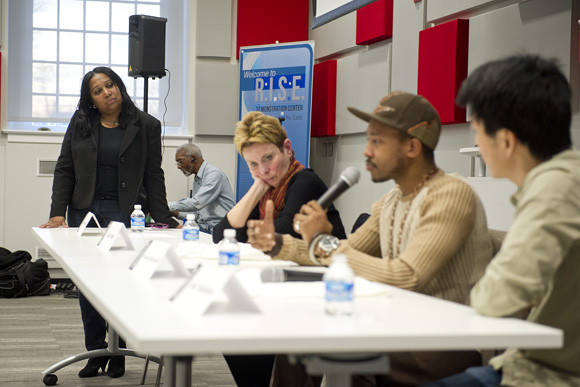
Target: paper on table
{"points": [[250, 278], [206, 251], [148, 232], [362, 288]]}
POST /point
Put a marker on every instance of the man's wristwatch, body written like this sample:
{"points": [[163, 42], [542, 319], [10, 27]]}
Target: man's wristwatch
{"points": [[277, 247], [322, 246]]}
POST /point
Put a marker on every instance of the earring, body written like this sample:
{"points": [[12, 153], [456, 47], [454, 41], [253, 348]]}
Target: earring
{"points": [[94, 106]]}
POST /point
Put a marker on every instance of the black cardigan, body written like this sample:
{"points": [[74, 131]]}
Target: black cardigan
{"points": [[303, 187], [141, 179]]}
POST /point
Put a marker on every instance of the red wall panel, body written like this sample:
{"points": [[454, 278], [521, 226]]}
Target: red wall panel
{"points": [[374, 22], [266, 21], [323, 119], [443, 51]]}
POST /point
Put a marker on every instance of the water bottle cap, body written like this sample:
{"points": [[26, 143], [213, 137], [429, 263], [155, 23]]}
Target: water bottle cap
{"points": [[190, 216], [137, 206], [339, 258], [230, 233]]}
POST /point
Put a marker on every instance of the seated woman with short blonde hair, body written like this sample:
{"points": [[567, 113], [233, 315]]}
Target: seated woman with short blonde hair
{"points": [[278, 176]]}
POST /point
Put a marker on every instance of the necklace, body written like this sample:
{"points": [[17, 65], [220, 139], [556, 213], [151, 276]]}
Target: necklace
{"points": [[392, 250], [115, 122]]}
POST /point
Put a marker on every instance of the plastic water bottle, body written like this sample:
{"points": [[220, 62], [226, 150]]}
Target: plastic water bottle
{"points": [[190, 229], [229, 251], [137, 219], [339, 283]]}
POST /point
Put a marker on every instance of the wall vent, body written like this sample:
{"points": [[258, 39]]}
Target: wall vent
{"points": [[46, 167], [52, 263], [43, 253]]}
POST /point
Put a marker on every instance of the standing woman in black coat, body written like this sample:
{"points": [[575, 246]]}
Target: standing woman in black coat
{"points": [[110, 160]]}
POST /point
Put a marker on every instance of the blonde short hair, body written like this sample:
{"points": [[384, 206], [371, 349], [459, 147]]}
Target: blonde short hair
{"points": [[255, 128]]}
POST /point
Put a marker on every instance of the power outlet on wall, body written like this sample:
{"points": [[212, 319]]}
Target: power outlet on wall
{"points": [[327, 149]]}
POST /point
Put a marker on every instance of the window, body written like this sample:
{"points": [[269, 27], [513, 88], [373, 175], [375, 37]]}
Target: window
{"points": [[53, 43]]}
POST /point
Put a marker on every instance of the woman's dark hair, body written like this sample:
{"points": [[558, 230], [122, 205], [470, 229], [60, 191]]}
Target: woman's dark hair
{"points": [[88, 114], [525, 94]]}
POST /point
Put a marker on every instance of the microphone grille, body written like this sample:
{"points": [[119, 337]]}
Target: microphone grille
{"points": [[350, 175], [272, 274]]}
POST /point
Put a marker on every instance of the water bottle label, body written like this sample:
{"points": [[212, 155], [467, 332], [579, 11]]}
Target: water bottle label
{"points": [[190, 234], [137, 222], [339, 291], [229, 258]]}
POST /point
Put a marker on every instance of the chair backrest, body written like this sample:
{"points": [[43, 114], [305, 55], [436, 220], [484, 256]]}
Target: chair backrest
{"points": [[497, 237], [359, 221]]}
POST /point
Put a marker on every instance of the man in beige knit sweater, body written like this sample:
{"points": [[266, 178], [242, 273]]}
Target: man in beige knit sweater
{"points": [[428, 234]]}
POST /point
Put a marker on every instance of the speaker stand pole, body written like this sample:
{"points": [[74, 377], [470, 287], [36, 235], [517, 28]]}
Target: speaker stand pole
{"points": [[146, 94]]}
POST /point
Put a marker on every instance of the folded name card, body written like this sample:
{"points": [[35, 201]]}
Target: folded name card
{"points": [[114, 231], [83, 226], [204, 292], [151, 258]]}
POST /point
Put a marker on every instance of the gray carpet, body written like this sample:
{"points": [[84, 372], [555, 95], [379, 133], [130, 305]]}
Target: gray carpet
{"points": [[37, 332]]}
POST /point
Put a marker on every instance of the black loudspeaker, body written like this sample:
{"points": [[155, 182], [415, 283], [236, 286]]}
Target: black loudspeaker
{"points": [[147, 46]]}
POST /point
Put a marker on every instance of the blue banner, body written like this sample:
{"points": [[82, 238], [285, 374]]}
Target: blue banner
{"points": [[277, 80]]}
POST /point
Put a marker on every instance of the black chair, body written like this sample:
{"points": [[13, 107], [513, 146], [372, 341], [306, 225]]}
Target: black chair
{"points": [[359, 221]]}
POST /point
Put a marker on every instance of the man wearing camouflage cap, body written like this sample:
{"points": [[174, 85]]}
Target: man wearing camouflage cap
{"points": [[427, 234]]}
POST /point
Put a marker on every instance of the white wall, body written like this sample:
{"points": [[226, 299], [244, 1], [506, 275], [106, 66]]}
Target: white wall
{"points": [[497, 28], [25, 197], [3, 105]]}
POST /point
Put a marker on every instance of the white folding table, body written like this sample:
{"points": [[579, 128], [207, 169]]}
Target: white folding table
{"points": [[397, 320]]}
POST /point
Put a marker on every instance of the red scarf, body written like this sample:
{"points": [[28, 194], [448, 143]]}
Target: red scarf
{"points": [[276, 194]]}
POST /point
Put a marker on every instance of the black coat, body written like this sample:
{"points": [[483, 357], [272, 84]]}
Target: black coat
{"points": [[139, 169]]}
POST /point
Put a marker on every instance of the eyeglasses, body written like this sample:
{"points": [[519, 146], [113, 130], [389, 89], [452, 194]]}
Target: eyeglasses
{"points": [[180, 162]]}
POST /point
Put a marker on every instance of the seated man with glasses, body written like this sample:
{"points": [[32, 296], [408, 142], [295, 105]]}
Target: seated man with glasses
{"points": [[212, 196]]}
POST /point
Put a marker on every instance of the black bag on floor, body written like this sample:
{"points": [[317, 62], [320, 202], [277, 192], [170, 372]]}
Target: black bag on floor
{"points": [[19, 277]]}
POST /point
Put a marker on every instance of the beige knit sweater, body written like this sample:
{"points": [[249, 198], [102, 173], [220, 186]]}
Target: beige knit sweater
{"points": [[444, 243]]}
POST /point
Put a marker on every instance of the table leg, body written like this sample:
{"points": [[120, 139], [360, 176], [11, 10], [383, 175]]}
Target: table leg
{"points": [[111, 350], [177, 371], [338, 380], [169, 371], [339, 368], [183, 371]]}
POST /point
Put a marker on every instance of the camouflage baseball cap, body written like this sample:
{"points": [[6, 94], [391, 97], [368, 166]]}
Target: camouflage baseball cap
{"points": [[407, 112]]}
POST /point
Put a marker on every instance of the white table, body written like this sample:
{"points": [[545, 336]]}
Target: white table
{"points": [[399, 321]]}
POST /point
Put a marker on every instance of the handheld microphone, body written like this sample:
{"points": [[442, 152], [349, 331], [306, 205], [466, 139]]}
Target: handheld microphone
{"points": [[277, 274], [347, 179]]}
